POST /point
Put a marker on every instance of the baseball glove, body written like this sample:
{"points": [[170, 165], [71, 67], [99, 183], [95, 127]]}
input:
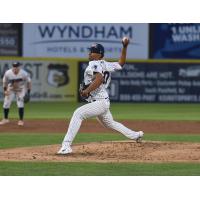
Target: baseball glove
{"points": [[27, 98], [81, 88]]}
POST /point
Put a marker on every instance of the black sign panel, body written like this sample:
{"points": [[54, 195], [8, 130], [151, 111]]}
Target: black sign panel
{"points": [[10, 39], [155, 82]]}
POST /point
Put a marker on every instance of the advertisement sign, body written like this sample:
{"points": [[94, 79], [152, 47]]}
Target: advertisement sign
{"points": [[155, 82], [175, 40], [52, 79], [10, 39], [73, 40]]}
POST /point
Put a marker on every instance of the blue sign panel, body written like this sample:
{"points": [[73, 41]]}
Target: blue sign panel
{"points": [[175, 41]]}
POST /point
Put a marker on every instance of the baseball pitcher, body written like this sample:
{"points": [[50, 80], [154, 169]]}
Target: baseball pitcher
{"points": [[97, 77], [16, 82]]}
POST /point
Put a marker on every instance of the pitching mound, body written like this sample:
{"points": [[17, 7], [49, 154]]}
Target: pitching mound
{"points": [[123, 151]]}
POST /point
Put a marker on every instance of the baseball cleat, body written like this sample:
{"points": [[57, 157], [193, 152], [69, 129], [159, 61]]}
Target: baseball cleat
{"points": [[65, 149], [4, 121], [139, 138], [20, 123]]}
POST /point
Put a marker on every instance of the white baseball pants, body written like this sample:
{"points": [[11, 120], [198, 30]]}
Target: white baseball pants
{"points": [[99, 109], [19, 98]]}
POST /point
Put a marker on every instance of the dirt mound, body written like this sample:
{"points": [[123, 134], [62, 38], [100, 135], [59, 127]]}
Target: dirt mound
{"points": [[123, 151], [91, 126]]}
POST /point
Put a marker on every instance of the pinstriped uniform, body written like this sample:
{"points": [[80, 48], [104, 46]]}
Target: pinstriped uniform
{"points": [[99, 103], [16, 85]]}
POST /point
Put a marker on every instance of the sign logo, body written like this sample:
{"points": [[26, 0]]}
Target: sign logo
{"points": [[82, 33], [73, 40], [58, 75]]}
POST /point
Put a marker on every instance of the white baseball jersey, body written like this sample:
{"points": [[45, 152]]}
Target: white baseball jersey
{"points": [[105, 68], [16, 82]]}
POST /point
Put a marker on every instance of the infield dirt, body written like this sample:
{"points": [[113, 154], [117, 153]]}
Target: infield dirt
{"points": [[123, 151]]}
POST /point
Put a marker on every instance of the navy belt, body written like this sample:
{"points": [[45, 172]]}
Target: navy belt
{"points": [[96, 100]]}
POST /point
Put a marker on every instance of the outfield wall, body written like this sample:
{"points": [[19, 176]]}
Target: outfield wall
{"points": [[67, 40], [140, 81], [52, 79], [174, 41], [155, 81]]}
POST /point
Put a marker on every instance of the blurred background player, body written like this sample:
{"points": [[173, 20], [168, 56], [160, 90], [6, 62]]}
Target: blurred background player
{"points": [[16, 82], [97, 77]]}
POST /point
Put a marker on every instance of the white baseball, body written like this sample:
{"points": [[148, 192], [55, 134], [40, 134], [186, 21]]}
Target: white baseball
{"points": [[125, 39]]}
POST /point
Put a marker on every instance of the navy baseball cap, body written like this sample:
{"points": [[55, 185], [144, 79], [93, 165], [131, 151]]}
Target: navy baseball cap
{"points": [[16, 64], [97, 48]]}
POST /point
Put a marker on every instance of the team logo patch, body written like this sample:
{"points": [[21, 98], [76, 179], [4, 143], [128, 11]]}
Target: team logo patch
{"points": [[95, 66]]}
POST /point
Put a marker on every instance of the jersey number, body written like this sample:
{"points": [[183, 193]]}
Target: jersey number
{"points": [[106, 75]]}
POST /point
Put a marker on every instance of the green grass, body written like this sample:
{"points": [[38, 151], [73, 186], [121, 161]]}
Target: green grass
{"points": [[26, 140], [173, 137], [156, 111], [46, 110], [97, 169], [23, 140], [136, 111]]}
